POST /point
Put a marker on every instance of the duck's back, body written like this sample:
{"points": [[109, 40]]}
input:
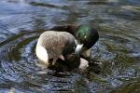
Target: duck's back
{"points": [[56, 42]]}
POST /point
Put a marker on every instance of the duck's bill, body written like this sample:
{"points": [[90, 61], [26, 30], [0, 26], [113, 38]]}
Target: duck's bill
{"points": [[78, 49]]}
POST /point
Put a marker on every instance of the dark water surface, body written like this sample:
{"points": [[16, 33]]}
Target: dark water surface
{"points": [[117, 52]]}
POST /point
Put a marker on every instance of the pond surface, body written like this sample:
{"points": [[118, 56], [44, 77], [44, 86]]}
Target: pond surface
{"points": [[117, 52]]}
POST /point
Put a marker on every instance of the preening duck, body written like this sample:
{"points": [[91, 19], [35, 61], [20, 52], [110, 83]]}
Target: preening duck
{"points": [[63, 41]]}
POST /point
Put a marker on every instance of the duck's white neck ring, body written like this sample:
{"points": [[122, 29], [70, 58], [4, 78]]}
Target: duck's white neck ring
{"points": [[78, 49]]}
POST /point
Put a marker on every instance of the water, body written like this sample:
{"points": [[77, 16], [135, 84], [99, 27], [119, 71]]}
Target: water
{"points": [[117, 52]]}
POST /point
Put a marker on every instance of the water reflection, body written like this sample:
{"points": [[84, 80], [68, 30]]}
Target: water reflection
{"points": [[117, 53]]}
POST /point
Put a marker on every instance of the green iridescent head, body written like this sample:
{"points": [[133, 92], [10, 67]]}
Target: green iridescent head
{"points": [[87, 36]]}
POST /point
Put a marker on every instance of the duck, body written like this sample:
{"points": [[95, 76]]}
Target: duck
{"points": [[53, 45], [78, 47]]}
